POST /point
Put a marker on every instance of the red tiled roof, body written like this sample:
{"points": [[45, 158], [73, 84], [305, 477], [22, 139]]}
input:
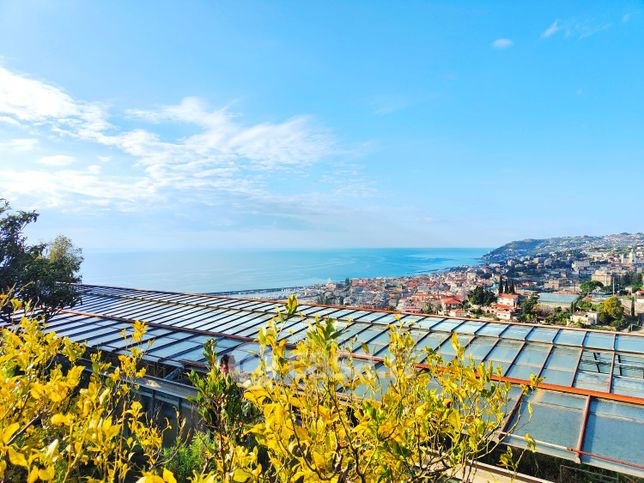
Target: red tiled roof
{"points": [[504, 307], [451, 301]]}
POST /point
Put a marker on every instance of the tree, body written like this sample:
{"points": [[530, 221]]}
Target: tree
{"points": [[481, 296], [611, 311], [500, 284], [589, 286], [527, 309], [40, 273]]}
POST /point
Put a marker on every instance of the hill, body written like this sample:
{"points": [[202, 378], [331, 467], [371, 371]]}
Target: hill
{"points": [[536, 247]]}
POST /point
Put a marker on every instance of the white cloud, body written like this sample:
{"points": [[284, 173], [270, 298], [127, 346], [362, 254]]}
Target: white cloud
{"points": [[57, 160], [553, 29], [28, 101], [56, 188], [579, 29], [502, 43], [20, 144], [223, 161]]}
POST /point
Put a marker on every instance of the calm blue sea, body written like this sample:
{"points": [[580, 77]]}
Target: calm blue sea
{"points": [[228, 270]]}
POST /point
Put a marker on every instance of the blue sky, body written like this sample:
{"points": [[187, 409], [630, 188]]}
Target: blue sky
{"points": [[186, 125]]}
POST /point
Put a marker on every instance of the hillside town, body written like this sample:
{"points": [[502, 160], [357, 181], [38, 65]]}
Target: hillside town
{"points": [[601, 287]]}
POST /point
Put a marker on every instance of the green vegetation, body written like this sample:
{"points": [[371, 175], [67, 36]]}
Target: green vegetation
{"points": [[528, 309], [558, 317], [629, 279], [589, 286], [40, 273], [480, 296], [611, 312]]}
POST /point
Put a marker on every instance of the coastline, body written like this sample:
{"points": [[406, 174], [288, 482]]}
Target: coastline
{"points": [[235, 272]]}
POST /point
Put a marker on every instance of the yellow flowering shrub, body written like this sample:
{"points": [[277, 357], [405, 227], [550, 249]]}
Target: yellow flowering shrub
{"points": [[326, 415], [330, 416], [61, 421]]}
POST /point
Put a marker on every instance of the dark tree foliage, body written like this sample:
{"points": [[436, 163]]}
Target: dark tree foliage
{"points": [[40, 273], [589, 286], [481, 296], [528, 309]]}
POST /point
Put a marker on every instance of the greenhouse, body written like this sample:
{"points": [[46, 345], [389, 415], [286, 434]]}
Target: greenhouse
{"points": [[589, 408]]}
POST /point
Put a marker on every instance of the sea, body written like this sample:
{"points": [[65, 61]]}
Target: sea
{"points": [[216, 271]]}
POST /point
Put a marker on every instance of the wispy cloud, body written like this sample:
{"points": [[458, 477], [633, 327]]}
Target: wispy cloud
{"points": [[502, 43], [576, 28], [551, 30], [383, 104], [224, 161], [57, 160], [19, 144]]}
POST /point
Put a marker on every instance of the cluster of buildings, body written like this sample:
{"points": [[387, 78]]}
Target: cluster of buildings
{"points": [[553, 281]]}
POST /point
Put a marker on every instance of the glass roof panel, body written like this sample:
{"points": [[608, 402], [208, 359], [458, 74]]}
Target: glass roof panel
{"points": [[529, 361], [594, 381], [556, 419], [109, 337], [502, 354], [168, 339], [194, 355], [505, 351], [113, 332], [375, 345], [629, 343], [611, 430], [414, 318], [371, 316], [447, 325], [541, 334], [492, 329], [570, 337], [427, 322], [558, 377], [599, 340], [344, 314], [387, 319], [563, 358], [595, 362], [371, 332], [470, 326], [479, 347], [243, 351], [447, 349], [324, 312], [357, 314], [173, 349], [310, 310], [517, 332], [628, 386], [76, 326], [433, 340]]}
